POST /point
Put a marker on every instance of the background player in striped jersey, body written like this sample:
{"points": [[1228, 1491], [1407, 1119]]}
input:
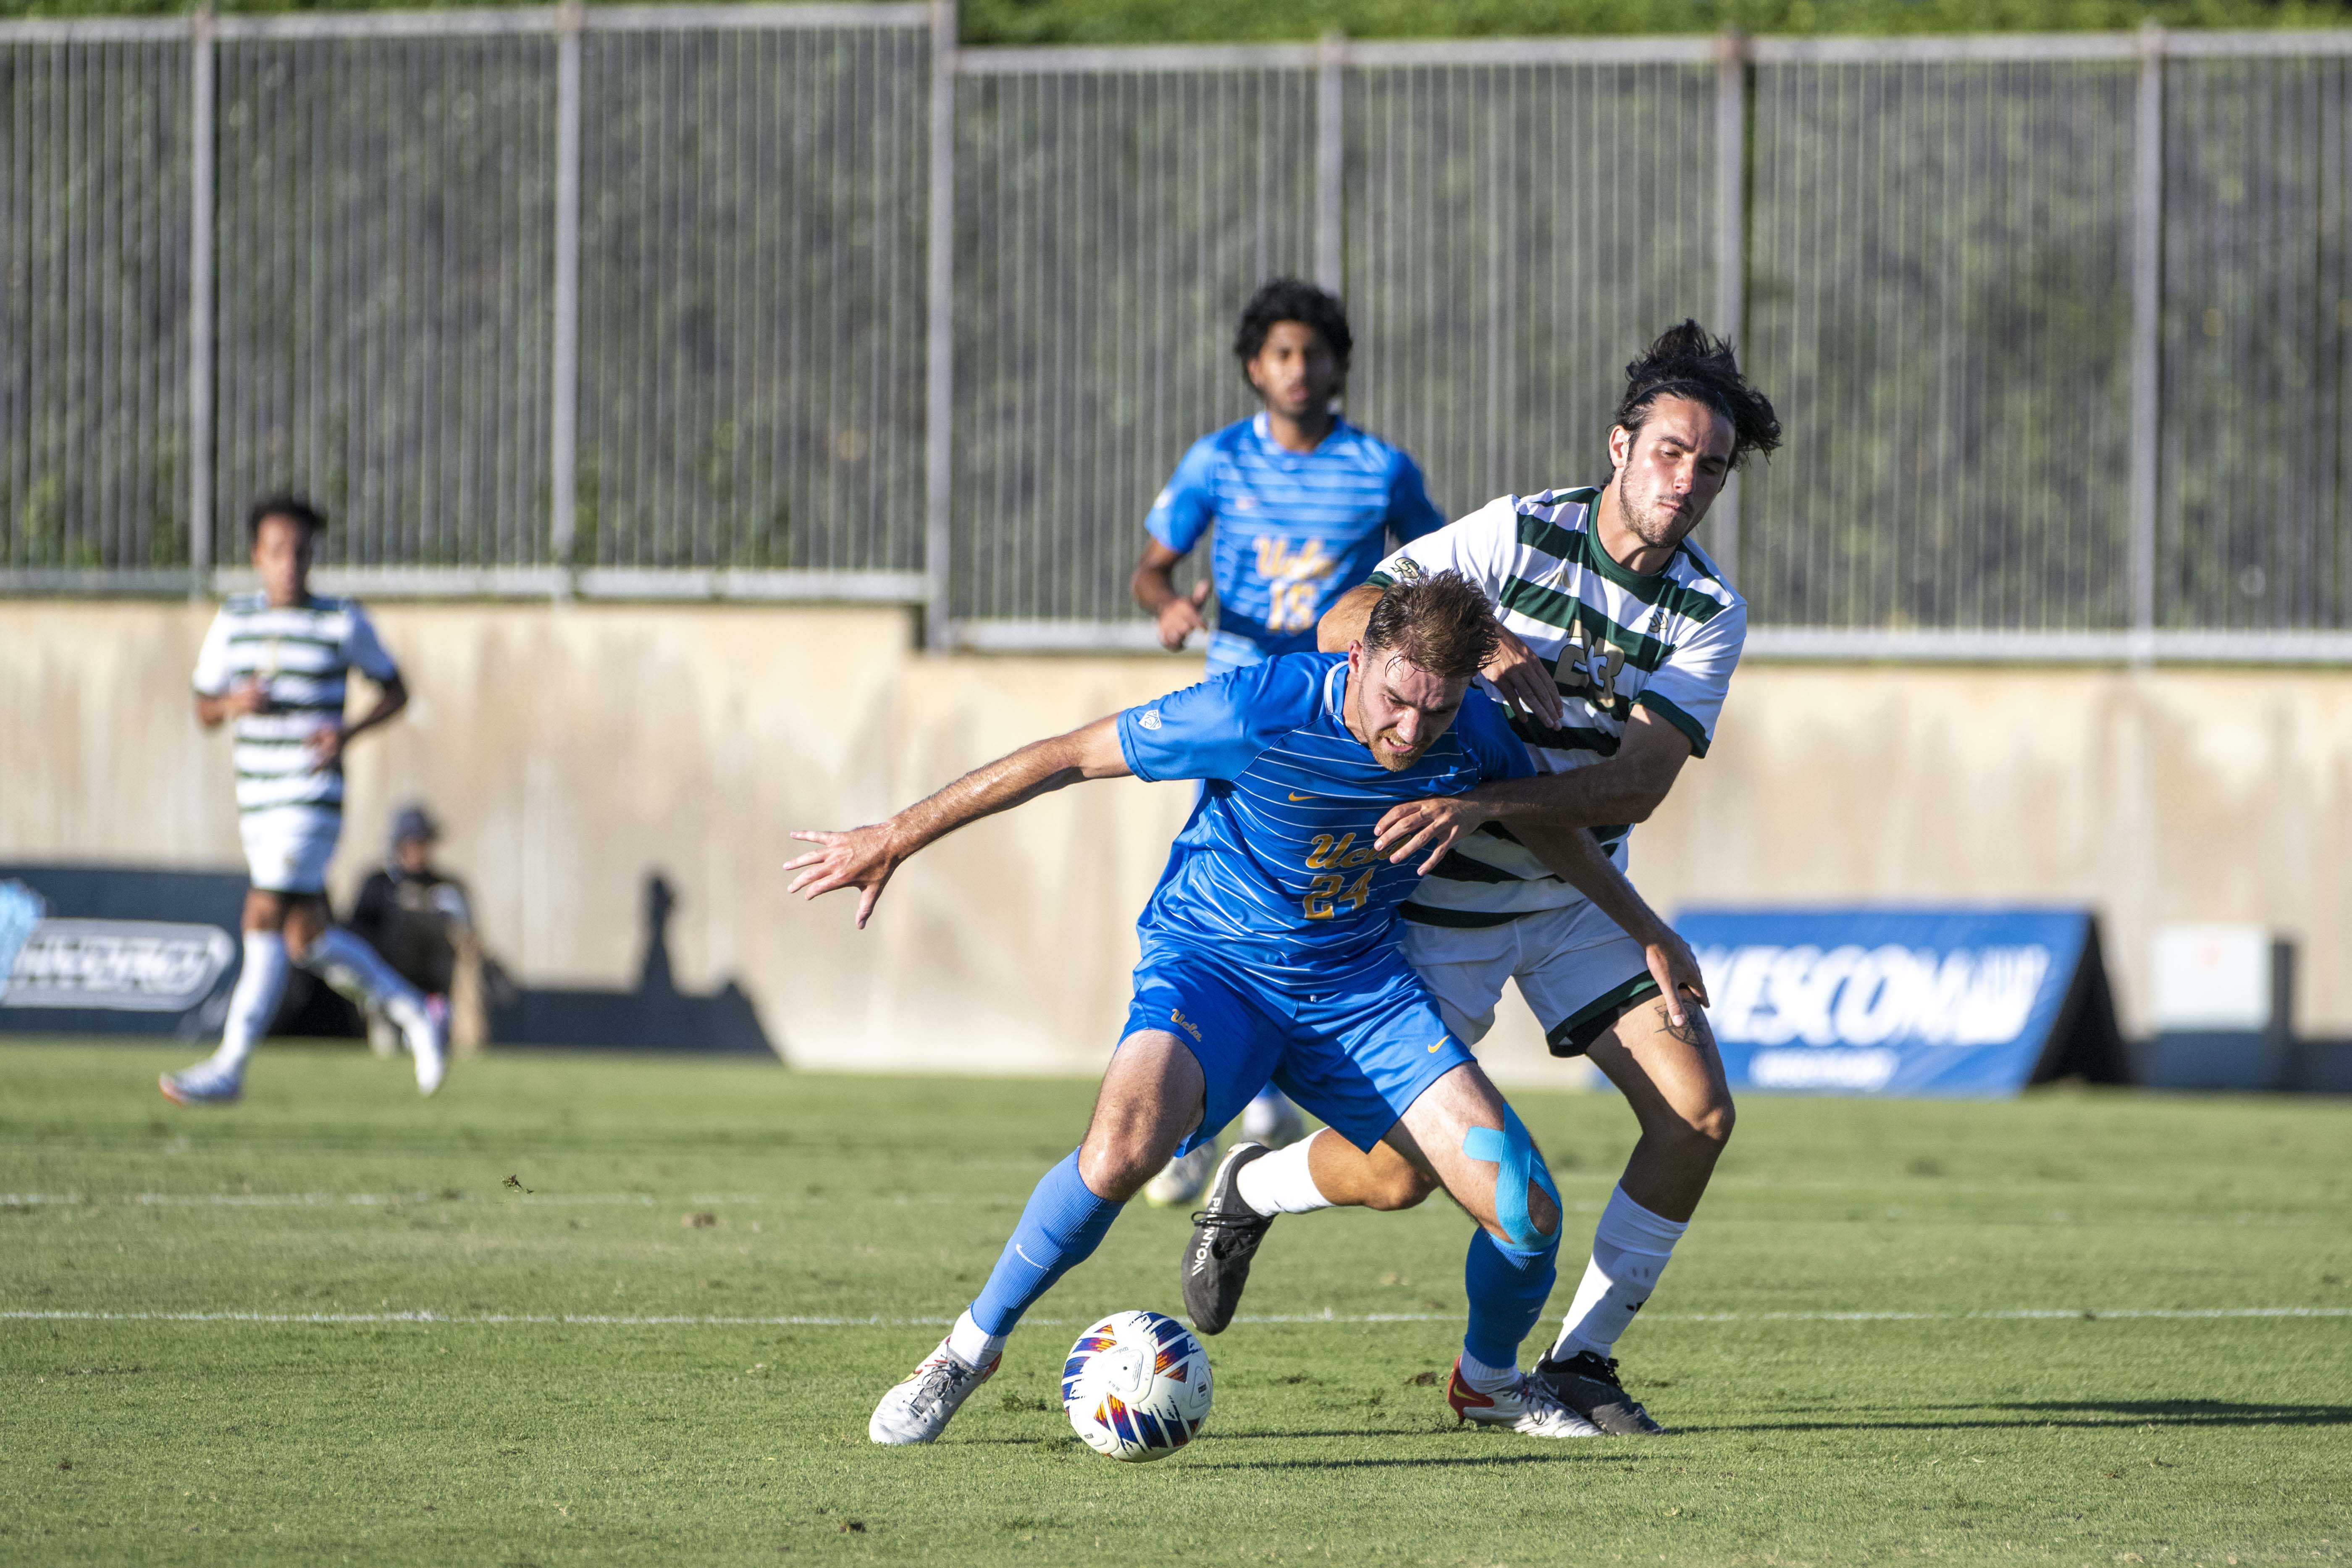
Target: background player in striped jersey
{"points": [[1620, 637], [275, 663], [1305, 505]]}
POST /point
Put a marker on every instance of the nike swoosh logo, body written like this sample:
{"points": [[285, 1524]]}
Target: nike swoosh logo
{"points": [[1295, 795], [1437, 1048]]}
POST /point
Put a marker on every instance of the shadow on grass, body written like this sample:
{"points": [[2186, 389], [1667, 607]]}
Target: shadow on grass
{"points": [[1448, 1460], [2084, 1413]]}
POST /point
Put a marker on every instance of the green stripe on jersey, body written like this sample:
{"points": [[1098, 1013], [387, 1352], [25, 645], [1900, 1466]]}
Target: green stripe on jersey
{"points": [[1693, 731], [1581, 547], [1567, 612], [1460, 919]]}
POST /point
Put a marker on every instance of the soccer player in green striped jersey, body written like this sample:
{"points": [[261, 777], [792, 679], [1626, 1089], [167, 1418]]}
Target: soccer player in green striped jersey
{"points": [[274, 668], [1620, 638]]}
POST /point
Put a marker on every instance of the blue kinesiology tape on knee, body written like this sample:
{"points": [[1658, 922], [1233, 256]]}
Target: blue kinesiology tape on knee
{"points": [[1517, 1166], [1059, 1230]]}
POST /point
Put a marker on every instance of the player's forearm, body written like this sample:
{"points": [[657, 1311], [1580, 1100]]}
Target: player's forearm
{"points": [[1038, 768], [1344, 622], [1605, 794], [1576, 857], [1154, 587], [389, 702]]}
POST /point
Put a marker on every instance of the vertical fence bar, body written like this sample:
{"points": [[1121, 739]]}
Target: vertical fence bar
{"points": [[1330, 162], [939, 356], [1730, 256], [2147, 345], [563, 408], [201, 62]]}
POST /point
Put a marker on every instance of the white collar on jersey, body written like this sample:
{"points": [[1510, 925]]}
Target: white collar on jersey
{"points": [[1335, 693]]}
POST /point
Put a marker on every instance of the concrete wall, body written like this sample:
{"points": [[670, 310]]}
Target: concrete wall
{"points": [[574, 750]]}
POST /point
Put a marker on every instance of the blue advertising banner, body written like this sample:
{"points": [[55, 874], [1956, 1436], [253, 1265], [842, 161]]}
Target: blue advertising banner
{"points": [[1916, 1002]]}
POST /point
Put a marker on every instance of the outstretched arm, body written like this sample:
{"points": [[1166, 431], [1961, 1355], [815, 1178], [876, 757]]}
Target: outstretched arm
{"points": [[1575, 856], [1625, 788], [864, 858]]}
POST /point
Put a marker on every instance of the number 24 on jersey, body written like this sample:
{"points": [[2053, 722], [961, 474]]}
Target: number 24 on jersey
{"points": [[1325, 895]]}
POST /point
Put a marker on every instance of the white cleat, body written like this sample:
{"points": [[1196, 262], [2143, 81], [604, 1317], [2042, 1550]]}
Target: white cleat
{"points": [[427, 1040], [1272, 1120], [1529, 1406], [203, 1084], [1182, 1179], [919, 1409]]}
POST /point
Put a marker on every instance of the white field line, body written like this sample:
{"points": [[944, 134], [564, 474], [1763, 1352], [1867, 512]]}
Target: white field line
{"points": [[2055, 1216], [599, 1320], [379, 1200]]}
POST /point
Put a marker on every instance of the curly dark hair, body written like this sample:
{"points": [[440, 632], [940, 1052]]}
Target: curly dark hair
{"points": [[1441, 622], [297, 509], [1685, 362], [1292, 300]]}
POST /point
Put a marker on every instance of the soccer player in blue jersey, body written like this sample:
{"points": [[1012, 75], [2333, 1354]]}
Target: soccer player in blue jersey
{"points": [[1305, 506], [1269, 952]]}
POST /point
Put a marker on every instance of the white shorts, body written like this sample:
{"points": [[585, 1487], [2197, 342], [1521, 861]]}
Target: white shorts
{"points": [[286, 848], [1577, 968]]}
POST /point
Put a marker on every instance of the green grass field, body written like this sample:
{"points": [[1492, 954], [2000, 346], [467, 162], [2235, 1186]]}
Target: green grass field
{"points": [[214, 1348]]}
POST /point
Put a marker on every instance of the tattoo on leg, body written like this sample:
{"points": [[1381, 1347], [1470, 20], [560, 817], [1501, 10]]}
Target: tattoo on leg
{"points": [[1691, 1031]]}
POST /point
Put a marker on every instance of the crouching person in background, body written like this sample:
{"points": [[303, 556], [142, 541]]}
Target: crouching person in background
{"points": [[422, 920]]}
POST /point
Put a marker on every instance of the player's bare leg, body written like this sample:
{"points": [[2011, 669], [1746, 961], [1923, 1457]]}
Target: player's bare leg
{"points": [[1152, 1096], [1462, 1133], [1672, 1076]]}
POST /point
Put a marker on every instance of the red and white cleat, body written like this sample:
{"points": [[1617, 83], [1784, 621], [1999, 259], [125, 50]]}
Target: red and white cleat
{"points": [[1525, 1406]]}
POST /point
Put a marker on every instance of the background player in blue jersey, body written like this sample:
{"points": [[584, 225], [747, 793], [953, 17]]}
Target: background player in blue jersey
{"points": [[1269, 951], [1305, 506], [1304, 503]]}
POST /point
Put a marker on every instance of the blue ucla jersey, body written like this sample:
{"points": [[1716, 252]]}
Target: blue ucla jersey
{"points": [[1275, 875], [1295, 529]]}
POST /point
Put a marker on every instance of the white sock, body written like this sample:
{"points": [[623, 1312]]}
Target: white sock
{"points": [[1630, 1248], [254, 1003], [1281, 1183], [342, 959], [972, 1345], [1487, 1379]]}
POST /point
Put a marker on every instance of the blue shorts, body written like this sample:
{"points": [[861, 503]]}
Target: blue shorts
{"points": [[1357, 1058]]}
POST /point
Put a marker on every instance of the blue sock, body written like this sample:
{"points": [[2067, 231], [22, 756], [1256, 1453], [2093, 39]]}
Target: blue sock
{"points": [[1060, 1229], [1507, 1286]]}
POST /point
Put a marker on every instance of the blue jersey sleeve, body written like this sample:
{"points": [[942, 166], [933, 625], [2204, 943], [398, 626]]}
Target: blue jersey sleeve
{"points": [[1215, 729], [1186, 507], [1486, 735], [1411, 511]]}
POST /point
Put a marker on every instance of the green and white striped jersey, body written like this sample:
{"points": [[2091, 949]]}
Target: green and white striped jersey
{"points": [[301, 652], [1614, 641]]}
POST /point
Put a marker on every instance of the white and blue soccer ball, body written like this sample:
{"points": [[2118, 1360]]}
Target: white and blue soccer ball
{"points": [[1136, 1387]]}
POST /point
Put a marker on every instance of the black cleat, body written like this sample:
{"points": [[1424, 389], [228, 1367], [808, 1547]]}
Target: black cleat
{"points": [[1587, 1383], [1224, 1238]]}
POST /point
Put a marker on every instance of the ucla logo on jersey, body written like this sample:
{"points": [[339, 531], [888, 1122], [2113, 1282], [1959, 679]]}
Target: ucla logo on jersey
{"points": [[1176, 1016], [1148, 719]]}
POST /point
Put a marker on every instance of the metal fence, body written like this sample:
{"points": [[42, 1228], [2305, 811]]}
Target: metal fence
{"points": [[804, 300]]}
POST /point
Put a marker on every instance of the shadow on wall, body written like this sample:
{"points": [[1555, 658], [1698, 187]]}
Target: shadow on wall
{"points": [[655, 1016]]}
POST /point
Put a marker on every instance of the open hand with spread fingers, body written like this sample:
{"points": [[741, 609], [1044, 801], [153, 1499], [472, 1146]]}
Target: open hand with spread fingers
{"points": [[863, 858], [1431, 826]]}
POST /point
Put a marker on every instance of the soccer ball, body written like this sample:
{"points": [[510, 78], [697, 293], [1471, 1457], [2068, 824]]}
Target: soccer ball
{"points": [[1136, 1387]]}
